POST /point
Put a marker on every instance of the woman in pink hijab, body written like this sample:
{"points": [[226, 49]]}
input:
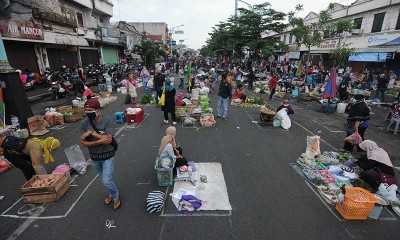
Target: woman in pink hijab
{"points": [[376, 165]]}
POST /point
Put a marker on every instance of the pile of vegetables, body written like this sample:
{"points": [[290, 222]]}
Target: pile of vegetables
{"points": [[189, 121], [255, 100], [204, 105], [146, 99], [344, 157], [204, 98]]}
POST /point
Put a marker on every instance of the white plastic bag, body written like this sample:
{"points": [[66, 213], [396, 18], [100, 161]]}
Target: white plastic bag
{"points": [[76, 158], [150, 83], [388, 192]]}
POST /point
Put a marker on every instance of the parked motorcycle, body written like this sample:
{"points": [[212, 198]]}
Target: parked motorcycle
{"points": [[60, 85]]}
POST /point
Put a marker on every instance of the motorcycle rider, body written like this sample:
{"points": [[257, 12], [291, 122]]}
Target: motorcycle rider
{"points": [[76, 82]]}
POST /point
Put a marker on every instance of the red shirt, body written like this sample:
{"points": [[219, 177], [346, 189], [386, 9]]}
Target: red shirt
{"points": [[272, 83]]}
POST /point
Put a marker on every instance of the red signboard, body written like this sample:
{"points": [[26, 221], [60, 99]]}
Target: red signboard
{"points": [[16, 29]]}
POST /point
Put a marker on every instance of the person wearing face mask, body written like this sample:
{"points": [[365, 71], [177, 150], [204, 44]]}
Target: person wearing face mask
{"points": [[28, 155], [357, 121], [97, 135]]}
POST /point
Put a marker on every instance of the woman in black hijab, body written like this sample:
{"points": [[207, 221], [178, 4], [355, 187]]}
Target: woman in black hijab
{"points": [[357, 121]]}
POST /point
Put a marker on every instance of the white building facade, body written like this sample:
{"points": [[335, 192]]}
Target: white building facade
{"points": [[376, 37]]}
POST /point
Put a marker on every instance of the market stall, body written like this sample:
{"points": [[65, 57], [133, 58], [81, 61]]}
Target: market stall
{"points": [[337, 181]]}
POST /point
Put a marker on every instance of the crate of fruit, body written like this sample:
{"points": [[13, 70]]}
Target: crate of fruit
{"points": [[327, 176], [208, 122]]}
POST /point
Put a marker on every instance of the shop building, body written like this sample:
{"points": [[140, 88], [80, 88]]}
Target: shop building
{"points": [[376, 37], [52, 33]]}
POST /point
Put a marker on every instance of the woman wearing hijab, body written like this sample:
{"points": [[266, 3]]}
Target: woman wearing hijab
{"points": [[376, 165], [169, 106], [179, 100], [343, 94], [28, 158], [357, 121], [145, 76], [168, 143]]}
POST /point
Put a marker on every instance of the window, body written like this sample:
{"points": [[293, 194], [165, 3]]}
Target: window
{"points": [[80, 19], [398, 22], [290, 38], [284, 38], [101, 20], [357, 23], [378, 22]]}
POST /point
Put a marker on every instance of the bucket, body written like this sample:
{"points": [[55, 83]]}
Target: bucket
{"points": [[341, 107], [123, 90], [75, 103]]}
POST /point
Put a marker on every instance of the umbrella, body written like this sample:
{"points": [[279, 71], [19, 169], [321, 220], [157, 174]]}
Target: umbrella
{"points": [[330, 88]]}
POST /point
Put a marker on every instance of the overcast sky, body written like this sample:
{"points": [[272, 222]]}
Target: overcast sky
{"points": [[199, 16]]}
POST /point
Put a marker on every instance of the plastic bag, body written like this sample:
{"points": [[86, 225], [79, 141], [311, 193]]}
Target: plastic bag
{"points": [[313, 146], [388, 192], [76, 158], [354, 138], [4, 166]]}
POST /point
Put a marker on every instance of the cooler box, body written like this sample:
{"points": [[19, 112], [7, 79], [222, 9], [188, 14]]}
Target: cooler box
{"points": [[134, 118]]}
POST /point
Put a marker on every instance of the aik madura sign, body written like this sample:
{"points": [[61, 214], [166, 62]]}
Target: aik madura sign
{"points": [[17, 29]]}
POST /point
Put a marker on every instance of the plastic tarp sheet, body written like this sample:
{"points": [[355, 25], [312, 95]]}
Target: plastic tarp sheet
{"points": [[369, 57]]}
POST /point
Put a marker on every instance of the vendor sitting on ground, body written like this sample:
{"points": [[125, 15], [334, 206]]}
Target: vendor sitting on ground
{"points": [[168, 144], [180, 160], [179, 101], [286, 104], [238, 93], [28, 157], [375, 164]]}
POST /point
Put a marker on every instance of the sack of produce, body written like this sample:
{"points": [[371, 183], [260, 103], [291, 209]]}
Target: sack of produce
{"points": [[313, 146]]}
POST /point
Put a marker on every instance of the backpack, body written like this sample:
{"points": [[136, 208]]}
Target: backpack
{"points": [[14, 143], [189, 203]]}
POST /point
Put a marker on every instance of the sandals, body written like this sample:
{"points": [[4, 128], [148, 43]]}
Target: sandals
{"points": [[108, 200], [117, 203]]}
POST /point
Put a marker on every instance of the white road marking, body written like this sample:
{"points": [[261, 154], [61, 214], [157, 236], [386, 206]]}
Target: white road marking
{"points": [[272, 128], [309, 131], [146, 183], [26, 224], [327, 127]]}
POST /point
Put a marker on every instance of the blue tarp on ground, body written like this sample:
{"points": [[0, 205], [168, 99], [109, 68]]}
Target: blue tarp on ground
{"points": [[369, 57]]}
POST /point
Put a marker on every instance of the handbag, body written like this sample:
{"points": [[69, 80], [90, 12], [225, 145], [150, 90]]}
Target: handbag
{"points": [[350, 127], [113, 143], [162, 98]]}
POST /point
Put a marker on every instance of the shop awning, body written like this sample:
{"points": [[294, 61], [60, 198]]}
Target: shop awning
{"points": [[369, 57], [64, 39]]}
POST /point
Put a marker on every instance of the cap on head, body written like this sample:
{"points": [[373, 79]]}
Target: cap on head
{"points": [[92, 103]]}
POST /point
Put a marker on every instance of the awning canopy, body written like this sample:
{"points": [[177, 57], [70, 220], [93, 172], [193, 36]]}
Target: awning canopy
{"points": [[369, 57], [64, 39]]}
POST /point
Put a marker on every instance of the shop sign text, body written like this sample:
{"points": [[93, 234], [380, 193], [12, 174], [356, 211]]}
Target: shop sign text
{"points": [[25, 30]]}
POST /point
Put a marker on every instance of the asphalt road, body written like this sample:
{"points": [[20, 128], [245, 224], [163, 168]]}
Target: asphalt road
{"points": [[269, 199]]}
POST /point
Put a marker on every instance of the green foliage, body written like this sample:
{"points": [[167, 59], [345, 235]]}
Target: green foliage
{"points": [[245, 31], [150, 52]]}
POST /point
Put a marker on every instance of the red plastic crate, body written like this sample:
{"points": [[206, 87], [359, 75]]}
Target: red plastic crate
{"points": [[134, 118]]}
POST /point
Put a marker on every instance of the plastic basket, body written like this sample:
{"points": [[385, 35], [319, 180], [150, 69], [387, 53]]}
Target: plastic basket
{"points": [[164, 176], [357, 204], [206, 123]]}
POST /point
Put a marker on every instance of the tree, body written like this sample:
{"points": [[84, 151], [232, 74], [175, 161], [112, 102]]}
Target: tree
{"points": [[150, 52], [338, 30], [245, 31], [304, 34]]}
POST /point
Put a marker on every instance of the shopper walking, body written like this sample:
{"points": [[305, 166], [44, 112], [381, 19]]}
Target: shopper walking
{"points": [[159, 80], [169, 106], [224, 95], [181, 78], [97, 135], [381, 87], [145, 75], [273, 82]]}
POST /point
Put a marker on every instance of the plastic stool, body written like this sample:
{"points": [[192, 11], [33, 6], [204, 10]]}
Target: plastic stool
{"points": [[388, 116], [395, 121], [119, 117]]}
